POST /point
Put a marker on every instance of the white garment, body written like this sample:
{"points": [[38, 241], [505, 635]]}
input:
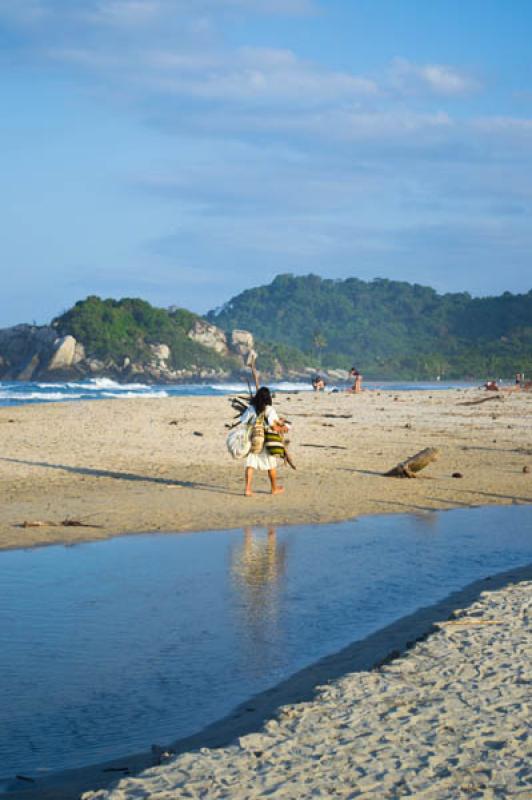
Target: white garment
{"points": [[262, 460]]}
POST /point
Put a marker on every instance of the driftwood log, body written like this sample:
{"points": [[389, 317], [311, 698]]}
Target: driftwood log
{"points": [[414, 464]]}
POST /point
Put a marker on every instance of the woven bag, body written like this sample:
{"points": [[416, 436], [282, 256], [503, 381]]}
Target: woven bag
{"points": [[257, 435]]}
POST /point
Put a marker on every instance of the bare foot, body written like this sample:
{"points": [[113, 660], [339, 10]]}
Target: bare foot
{"points": [[248, 493], [278, 490]]}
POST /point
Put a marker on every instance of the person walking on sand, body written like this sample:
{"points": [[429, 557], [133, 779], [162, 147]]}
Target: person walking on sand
{"points": [[261, 410]]}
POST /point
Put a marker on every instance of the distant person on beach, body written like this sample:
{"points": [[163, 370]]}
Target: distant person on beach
{"points": [[518, 379], [357, 383], [318, 383], [261, 410]]}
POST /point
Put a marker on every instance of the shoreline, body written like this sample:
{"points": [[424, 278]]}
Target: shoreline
{"points": [[161, 465], [366, 655]]}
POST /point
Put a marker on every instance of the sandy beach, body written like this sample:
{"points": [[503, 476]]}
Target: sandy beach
{"points": [[447, 719], [137, 465]]}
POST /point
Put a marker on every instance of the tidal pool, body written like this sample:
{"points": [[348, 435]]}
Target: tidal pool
{"points": [[108, 647]]}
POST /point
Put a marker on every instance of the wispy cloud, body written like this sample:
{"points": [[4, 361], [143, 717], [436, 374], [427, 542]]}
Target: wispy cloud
{"points": [[439, 79], [249, 74]]}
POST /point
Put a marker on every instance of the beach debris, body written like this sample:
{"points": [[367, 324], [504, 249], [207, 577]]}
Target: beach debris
{"points": [[526, 469], [173, 422], [408, 425], [115, 769], [411, 466], [25, 778], [197, 433], [66, 523], [327, 446], [38, 523], [457, 475], [482, 400], [161, 755]]}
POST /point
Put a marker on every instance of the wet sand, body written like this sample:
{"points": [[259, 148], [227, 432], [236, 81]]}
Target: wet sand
{"points": [[135, 465]]}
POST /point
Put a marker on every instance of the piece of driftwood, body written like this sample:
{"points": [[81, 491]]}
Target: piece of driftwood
{"points": [[38, 523], [326, 446], [411, 466], [66, 523], [482, 400]]}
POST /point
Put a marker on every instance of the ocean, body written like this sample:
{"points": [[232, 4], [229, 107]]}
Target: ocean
{"points": [[18, 393]]}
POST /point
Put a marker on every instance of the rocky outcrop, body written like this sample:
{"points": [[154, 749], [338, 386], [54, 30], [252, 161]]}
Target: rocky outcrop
{"points": [[243, 345], [30, 352], [25, 349], [63, 355], [160, 354], [210, 336]]}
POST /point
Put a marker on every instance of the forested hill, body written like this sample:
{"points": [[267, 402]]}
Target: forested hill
{"points": [[388, 328]]}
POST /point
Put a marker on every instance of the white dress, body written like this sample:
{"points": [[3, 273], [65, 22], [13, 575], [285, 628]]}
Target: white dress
{"points": [[261, 460]]}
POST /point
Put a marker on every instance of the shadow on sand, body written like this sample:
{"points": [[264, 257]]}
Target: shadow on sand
{"points": [[123, 476]]}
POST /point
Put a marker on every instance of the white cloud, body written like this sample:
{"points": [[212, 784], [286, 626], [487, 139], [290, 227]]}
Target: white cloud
{"points": [[251, 74], [438, 79]]}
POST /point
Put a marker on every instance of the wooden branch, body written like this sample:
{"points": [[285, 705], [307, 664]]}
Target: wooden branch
{"points": [[252, 362], [414, 464]]}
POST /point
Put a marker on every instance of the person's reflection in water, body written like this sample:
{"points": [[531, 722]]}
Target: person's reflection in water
{"points": [[257, 566]]}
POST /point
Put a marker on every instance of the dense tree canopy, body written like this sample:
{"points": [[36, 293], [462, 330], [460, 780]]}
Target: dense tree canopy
{"points": [[388, 328], [118, 329]]}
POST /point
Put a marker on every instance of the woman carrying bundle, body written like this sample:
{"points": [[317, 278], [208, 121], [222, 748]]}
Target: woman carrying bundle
{"points": [[266, 431]]}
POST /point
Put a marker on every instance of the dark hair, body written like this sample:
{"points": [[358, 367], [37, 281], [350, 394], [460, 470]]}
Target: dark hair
{"points": [[262, 399]]}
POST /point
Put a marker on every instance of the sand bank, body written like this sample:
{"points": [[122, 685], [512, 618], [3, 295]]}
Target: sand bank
{"points": [[136, 465], [449, 718]]}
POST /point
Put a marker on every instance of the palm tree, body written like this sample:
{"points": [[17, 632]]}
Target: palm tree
{"points": [[320, 343]]}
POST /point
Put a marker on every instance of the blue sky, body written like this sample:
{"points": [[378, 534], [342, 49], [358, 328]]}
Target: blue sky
{"points": [[183, 150]]}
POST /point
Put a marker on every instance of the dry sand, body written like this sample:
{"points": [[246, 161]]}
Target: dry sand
{"points": [[449, 719], [135, 465]]}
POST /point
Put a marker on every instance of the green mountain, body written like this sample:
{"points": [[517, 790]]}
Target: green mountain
{"points": [[387, 329]]}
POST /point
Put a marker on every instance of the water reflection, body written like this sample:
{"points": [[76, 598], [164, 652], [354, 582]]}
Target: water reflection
{"points": [[258, 565]]}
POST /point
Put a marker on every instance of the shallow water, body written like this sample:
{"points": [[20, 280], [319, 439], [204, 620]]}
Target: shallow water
{"points": [[108, 647]]}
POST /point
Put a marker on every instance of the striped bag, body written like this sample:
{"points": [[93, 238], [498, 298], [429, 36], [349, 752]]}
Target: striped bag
{"points": [[274, 444]]}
